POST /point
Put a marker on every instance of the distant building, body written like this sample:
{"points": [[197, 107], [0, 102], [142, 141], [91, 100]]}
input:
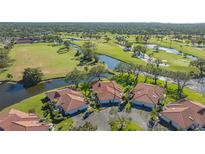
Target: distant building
{"points": [[73, 39], [69, 101], [127, 48], [184, 114], [15, 120], [107, 93], [147, 95], [27, 40]]}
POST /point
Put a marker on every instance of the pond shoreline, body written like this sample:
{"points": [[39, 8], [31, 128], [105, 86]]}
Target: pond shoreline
{"points": [[13, 92], [19, 81]]}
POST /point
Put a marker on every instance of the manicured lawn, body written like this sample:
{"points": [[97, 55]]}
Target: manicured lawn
{"points": [[176, 45], [41, 55], [129, 126], [36, 104], [27, 104], [176, 62], [113, 50], [171, 93], [64, 125], [171, 90]]}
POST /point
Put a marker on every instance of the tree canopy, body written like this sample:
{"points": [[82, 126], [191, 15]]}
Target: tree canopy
{"points": [[32, 76]]}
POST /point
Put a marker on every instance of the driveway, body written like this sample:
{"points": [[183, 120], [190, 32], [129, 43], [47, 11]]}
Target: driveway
{"points": [[141, 117], [102, 118]]}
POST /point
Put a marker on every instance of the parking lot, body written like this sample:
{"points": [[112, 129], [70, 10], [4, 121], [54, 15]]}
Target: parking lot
{"points": [[102, 118]]}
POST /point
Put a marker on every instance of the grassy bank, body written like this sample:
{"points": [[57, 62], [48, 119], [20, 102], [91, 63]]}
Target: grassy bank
{"points": [[113, 50], [171, 89], [36, 104], [175, 62], [180, 47]]}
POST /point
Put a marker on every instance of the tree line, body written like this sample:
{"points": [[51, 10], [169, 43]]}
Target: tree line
{"points": [[153, 71], [32, 29]]}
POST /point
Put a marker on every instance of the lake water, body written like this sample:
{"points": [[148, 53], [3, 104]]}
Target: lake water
{"points": [[15, 92], [172, 51], [11, 93], [109, 61]]}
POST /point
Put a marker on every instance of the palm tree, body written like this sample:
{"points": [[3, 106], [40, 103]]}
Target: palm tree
{"points": [[200, 65], [181, 48], [181, 79], [136, 69], [143, 51]]}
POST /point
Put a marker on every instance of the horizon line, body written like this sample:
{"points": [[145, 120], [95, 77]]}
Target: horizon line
{"points": [[102, 22]]}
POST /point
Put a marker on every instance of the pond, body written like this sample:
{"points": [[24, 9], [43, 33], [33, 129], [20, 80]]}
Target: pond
{"points": [[15, 92], [172, 51], [11, 93], [109, 61]]}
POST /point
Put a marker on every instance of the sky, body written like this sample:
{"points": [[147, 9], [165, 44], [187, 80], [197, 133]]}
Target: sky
{"points": [[166, 11]]}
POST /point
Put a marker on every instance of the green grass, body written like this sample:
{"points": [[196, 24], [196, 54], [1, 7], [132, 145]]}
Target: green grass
{"points": [[176, 62], [171, 90], [36, 104], [113, 50], [64, 125], [129, 126], [41, 55], [27, 104], [177, 45]]}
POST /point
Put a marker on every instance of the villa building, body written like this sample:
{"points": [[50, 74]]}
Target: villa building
{"points": [[107, 93], [69, 101], [15, 120], [147, 95], [184, 114]]}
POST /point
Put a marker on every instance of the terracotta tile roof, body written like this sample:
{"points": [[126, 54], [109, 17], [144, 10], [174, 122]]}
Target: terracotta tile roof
{"points": [[55, 95], [107, 90], [185, 113], [31, 125], [68, 99], [22, 115], [148, 93], [15, 120]]}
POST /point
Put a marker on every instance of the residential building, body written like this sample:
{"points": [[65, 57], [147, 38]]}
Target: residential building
{"points": [[184, 114], [15, 120], [147, 95], [107, 93], [69, 101]]}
